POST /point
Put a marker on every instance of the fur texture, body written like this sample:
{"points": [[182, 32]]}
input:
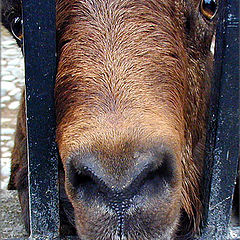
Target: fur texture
{"points": [[131, 95]]}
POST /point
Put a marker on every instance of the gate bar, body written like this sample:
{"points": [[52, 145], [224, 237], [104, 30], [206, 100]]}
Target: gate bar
{"points": [[222, 146], [40, 70]]}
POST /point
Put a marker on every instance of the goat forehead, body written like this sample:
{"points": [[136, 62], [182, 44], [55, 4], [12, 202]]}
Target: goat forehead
{"points": [[119, 42], [100, 17], [120, 57], [106, 31], [99, 7]]}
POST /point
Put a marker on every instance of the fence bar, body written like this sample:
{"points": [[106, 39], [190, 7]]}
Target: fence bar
{"points": [[40, 70], [223, 130], [60, 238]]}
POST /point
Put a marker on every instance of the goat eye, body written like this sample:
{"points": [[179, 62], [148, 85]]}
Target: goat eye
{"points": [[16, 28], [208, 8]]}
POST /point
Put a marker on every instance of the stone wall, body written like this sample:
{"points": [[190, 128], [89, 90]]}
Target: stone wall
{"points": [[11, 225]]}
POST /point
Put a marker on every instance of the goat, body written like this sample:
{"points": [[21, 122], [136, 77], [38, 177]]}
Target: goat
{"points": [[132, 89]]}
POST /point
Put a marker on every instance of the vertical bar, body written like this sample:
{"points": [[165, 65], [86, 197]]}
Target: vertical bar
{"points": [[223, 130], [40, 70], [239, 188]]}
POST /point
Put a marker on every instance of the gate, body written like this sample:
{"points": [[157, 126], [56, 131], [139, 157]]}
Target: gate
{"points": [[223, 128]]}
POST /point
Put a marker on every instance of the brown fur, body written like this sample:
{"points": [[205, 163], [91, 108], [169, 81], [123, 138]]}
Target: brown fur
{"points": [[132, 75]]}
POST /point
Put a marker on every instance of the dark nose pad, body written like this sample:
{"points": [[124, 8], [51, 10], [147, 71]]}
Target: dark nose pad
{"points": [[149, 173]]}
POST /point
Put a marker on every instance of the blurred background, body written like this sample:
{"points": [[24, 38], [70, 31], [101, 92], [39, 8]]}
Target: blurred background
{"points": [[12, 81]]}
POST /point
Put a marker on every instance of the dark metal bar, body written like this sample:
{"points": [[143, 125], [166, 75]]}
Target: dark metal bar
{"points": [[239, 191], [40, 70], [60, 238], [223, 130]]}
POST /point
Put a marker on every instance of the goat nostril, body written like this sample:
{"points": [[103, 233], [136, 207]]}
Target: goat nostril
{"points": [[164, 172], [152, 175], [82, 179], [79, 177]]}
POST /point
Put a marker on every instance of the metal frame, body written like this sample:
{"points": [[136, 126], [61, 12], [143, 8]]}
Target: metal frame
{"points": [[40, 70], [223, 128], [222, 146]]}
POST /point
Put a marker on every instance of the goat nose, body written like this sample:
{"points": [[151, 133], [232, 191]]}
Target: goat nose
{"points": [[152, 168]]}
